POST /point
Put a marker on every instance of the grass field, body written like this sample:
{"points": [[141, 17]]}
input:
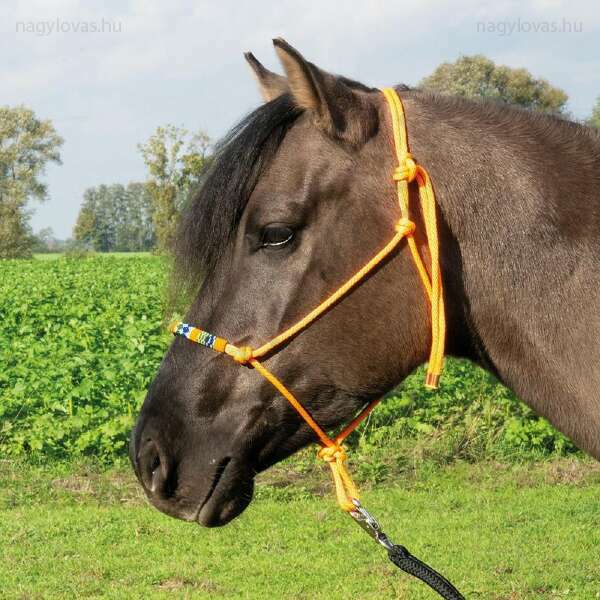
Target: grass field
{"points": [[497, 531]]}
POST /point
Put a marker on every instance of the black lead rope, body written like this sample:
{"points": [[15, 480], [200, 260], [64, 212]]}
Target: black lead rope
{"points": [[402, 558]]}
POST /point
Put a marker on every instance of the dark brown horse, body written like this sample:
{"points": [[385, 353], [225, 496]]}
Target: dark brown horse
{"points": [[299, 196]]}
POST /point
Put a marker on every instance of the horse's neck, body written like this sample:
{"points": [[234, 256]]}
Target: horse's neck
{"points": [[520, 278]]}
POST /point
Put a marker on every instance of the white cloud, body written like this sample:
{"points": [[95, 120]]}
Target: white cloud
{"points": [[181, 61]]}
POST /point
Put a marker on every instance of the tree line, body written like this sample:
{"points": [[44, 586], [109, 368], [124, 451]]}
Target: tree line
{"points": [[143, 216], [116, 218]]}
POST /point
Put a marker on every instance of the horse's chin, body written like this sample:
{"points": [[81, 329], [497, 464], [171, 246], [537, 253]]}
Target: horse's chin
{"points": [[230, 494]]}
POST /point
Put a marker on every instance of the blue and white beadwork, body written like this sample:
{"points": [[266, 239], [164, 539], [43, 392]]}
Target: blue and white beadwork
{"points": [[196, 335]]}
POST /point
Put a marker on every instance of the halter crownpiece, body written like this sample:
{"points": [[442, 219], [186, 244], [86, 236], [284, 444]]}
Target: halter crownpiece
{"points": [[406, 171]]}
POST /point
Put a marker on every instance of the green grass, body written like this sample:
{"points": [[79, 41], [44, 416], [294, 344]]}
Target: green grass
{"points": [[56, 255], [497, 531]]}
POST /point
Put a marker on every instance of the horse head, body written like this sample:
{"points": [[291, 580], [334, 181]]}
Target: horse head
{"points": [[298, 197]]}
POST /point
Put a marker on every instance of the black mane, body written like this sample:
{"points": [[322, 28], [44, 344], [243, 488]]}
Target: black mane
{"points": [[213, 212]]}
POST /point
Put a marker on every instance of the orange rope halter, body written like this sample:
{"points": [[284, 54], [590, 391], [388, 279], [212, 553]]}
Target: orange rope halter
{"points": [[406, 172]]}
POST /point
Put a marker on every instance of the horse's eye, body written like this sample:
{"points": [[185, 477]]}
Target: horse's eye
{"points": [[276, 235]]}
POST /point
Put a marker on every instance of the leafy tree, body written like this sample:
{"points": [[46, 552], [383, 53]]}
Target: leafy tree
{"points": [[105, 232], [478, 76], [175, 159], [27, 144], [16, 238], [95, 224], [136, 231], [594, 120], [86, 220]]}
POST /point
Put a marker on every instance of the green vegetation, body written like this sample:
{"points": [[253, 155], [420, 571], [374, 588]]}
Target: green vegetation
{"points": [[82, 339], [497, 531], [27, 144], [479, 77]]}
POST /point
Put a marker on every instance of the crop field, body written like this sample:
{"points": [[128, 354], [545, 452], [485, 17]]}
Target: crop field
{"points": [[80, 340], [467, 477]]}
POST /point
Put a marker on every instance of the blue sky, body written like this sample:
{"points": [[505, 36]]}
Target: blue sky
{"points": [[180, 62]]}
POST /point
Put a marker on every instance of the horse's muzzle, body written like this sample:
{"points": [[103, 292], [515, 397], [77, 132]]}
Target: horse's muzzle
{"points": [[210, 492]]}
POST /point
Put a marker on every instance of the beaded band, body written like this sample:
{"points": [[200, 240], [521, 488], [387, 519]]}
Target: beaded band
{"points": [[199, 336]]}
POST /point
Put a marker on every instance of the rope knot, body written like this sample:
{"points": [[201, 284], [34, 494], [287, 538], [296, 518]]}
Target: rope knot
{"points": [[407, 171], [241, 354], [332, 454], [405, 226]]}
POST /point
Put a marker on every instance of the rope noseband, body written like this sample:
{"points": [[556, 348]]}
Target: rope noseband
{"points": [[332, 450]]}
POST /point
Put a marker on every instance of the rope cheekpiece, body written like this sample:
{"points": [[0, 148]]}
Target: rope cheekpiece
{"points": [[407, 171]]}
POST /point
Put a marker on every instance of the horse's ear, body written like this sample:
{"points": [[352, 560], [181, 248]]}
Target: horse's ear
{"points": [[343, 112], [270, 84]]}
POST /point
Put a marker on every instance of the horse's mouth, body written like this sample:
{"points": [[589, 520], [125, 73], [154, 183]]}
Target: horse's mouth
{"points": [[230, 493]]}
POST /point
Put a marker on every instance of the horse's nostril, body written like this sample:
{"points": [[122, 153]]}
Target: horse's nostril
{"points": [[155, 463], [155, 475], [151, 469]]}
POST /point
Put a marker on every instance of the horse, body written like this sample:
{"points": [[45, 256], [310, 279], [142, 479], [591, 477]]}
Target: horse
{"points": [[297, 197]]}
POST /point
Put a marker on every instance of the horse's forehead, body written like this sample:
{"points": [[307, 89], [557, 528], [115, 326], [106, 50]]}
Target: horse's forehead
{"points": [[305, 153]]}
